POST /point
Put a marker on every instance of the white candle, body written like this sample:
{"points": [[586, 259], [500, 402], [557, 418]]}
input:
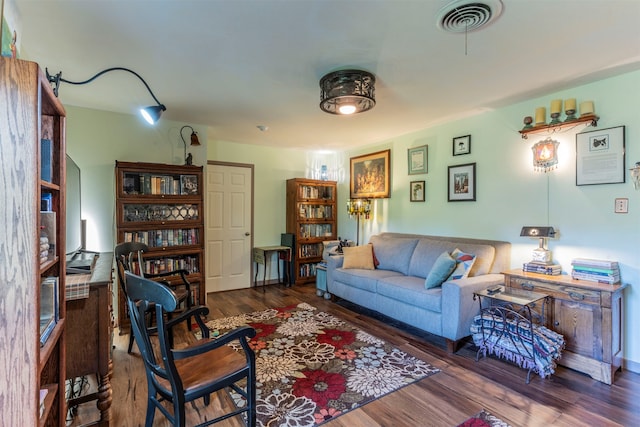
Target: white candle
{"points": [[556, 106], [570, 104], [541, 115], [586, 108]]}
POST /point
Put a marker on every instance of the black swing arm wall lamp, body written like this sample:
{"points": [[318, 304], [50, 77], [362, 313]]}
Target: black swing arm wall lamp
{"points": [[151, 114]]}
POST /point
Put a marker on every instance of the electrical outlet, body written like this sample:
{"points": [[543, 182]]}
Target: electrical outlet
{"points": [[621, 206]]}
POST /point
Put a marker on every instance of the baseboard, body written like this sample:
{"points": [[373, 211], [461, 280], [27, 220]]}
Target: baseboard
{"points": [[631, 366]]}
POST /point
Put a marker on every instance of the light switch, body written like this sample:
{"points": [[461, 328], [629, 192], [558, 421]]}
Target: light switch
{"points": [[621, 206]]}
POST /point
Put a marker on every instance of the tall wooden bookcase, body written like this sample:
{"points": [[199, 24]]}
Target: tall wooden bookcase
{"points": [[312, 219], [32, 170], [162, 205]]}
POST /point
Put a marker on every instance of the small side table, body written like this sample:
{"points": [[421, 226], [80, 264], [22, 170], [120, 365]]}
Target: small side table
{"points": [[260, 256], [507, 323]]}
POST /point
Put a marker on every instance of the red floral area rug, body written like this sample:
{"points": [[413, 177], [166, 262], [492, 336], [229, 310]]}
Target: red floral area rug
{"points": [[484, 419], [312, 366]]}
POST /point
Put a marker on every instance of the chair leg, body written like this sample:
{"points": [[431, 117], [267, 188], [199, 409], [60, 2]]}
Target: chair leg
{"points": [[130, 341], [151, 412], [251, 402]]}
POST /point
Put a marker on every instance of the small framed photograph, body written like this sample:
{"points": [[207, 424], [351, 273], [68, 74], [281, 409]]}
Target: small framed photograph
{"points": [[462, 145], [188, 184], [600, 157], [417, 157], [416, 191], [462, 183]]}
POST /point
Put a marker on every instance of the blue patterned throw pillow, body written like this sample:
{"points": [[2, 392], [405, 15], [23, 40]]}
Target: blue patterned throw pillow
{"points": [[464, 262]]}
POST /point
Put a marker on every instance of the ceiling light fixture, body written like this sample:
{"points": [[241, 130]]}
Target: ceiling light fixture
{"points": [[347, 92], [188, 160], [151, 114]]}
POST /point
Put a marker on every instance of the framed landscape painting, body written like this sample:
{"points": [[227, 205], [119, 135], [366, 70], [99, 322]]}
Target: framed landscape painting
{"points": [[371, 175]]}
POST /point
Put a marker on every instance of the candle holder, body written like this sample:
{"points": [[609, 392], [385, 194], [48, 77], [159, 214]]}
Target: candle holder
{"points": [[571, 115], [527, 122], [555, 118]]}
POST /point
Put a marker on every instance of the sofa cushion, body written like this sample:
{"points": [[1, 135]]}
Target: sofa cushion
{"points": [[393, 253], [358, 257], [362, 279], [425, 255], [464, 262], [428, 250], [443, 267], [410, 290]]}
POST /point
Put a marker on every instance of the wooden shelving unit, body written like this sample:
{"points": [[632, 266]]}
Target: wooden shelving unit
{"points": [[312, 219], [162, 205], [587, 120], [32, 131]]}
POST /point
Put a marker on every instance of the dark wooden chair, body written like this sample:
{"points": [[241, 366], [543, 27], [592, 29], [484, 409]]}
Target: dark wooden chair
{"points": [[184, 375], [129, 257]]}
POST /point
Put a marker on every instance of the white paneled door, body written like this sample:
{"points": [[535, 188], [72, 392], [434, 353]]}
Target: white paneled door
{"points": [[229, 226]]}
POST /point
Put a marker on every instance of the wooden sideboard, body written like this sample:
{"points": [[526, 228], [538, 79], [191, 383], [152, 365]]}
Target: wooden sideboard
{"points": [[89, 335], [590, 316]]}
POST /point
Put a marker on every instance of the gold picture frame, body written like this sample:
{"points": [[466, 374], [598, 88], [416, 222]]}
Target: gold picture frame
{"points": [[371, 175]]}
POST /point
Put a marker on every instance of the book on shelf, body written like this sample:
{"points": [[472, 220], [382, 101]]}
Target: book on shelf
{"points": [[46, 160], [43, 395], [549, 269]]}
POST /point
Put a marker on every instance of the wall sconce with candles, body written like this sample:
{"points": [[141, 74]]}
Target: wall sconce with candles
{"points": [[635, 175], [151, 114], [188, 160], [545, 155], [539, 124], [358, 208]]}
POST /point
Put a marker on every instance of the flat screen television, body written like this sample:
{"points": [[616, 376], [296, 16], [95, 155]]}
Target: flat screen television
{"points": [[78, 259]]}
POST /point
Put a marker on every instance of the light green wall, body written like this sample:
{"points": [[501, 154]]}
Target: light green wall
{"points": [[96, 139], [509, 193]]}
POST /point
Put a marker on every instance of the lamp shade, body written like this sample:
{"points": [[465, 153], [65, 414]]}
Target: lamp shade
{"points": [[537, 231], [347, 92], [152, 113]]}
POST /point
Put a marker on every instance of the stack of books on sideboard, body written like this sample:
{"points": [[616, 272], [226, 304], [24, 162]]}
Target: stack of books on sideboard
{"points": [[542, 268], [595, 270]]}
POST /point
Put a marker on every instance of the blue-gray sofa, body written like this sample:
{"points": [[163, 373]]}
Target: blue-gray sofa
{"points": [[396, 287]]}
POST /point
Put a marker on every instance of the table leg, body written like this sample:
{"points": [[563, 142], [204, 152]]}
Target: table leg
{"points": [[255, 277]]}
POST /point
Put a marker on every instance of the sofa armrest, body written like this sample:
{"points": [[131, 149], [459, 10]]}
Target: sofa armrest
{"points": [[333, 262], [458, 305]]}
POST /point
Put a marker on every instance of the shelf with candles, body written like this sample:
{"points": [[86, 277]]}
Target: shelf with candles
{"points": [[550, 128]]}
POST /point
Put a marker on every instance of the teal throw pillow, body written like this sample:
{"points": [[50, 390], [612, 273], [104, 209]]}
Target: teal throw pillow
{"points": [[441, 269], [464, 262]]}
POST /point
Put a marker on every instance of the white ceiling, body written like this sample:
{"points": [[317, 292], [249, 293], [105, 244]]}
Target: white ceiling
{"points": [[232, 65]]}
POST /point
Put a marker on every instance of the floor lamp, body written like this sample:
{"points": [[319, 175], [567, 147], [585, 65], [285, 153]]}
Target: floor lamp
{"points": [[358, 207]]}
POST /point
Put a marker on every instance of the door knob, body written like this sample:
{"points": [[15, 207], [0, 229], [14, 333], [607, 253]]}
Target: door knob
{"points": [[247, 234]]}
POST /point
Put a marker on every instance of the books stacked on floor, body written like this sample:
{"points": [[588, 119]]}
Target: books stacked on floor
{"points": [[595, 270], [542, 268]]}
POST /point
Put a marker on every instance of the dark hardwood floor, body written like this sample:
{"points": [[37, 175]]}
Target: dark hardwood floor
{"points": [[463, 388]]}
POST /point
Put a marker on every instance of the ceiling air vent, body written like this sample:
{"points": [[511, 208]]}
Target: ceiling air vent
{"points": [[463, 16]]}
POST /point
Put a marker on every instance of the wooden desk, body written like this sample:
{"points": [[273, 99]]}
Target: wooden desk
{"points": [[261, 255], [89, 330]]}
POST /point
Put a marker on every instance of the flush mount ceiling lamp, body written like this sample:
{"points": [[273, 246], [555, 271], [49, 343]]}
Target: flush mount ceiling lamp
{"points": [[347, 92], [151, 114], [188, 160]]}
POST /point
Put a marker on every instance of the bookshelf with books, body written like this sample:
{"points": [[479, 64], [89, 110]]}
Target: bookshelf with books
{"points": [[162, 206], [311, 217], [32, 131]]}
